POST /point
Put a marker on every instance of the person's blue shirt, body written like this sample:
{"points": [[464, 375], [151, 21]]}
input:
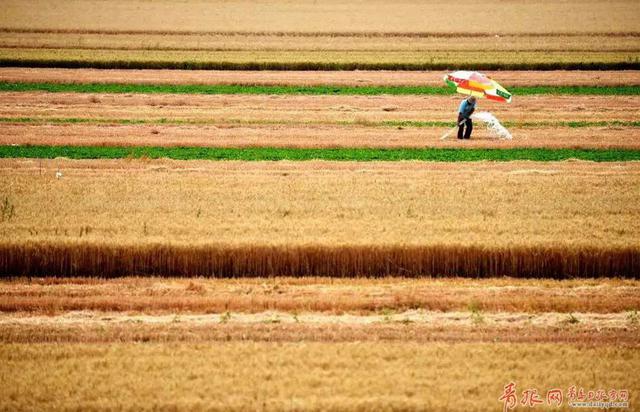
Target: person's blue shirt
{"points": [[466, 108]]}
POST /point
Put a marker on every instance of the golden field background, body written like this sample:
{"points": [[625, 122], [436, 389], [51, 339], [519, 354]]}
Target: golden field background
{"points": [[309, 343], [294, 376], [330, 203], [282, 33], [317, 42], [122, 217], [493, 16]]}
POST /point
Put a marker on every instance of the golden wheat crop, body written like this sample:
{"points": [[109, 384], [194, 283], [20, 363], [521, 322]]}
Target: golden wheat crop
{"points": [[319, 218], [309, 376], [312, 35], [277, 42], [248, 59], [322, 203], [492, 16]]}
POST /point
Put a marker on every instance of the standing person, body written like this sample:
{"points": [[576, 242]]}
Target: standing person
{"points": [[467, 106]]}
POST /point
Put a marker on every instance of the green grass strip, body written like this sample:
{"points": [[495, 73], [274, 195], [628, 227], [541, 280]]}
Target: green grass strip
{"points": [[346, 154], [241, 122], [298, 90]]}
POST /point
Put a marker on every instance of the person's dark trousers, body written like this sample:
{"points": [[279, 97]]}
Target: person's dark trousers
{"points": [[467, 124]]}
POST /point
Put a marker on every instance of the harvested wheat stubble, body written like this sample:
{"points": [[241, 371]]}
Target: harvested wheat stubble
{"points": [[320, 218], [309, 78], [299, 109], [230, 41], [240, 376], [274, 329], [492, 16], [503, 321], [327, 295], [235, 121], [316, 136]]}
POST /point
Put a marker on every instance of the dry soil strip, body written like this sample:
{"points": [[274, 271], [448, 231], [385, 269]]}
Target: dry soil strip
{"points": [[225, 109], [433, 319], [309, 78], [314, 136], [298, 110]]}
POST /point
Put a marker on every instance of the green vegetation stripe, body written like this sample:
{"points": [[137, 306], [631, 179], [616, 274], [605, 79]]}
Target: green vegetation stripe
{"points": [[384, 123], [347, 154], [300, 90], [312, 65]]}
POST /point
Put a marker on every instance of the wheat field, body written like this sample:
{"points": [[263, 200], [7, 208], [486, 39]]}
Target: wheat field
{"points": [[315, 60], [333, 34], [377, 16], [175, 217], [323, 203], [352, 284], [290, 376]]}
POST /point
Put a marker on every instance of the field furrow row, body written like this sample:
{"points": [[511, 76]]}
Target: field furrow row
{"points": [[300, 108], [310, 78], [287, 138], [361, 296]]}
